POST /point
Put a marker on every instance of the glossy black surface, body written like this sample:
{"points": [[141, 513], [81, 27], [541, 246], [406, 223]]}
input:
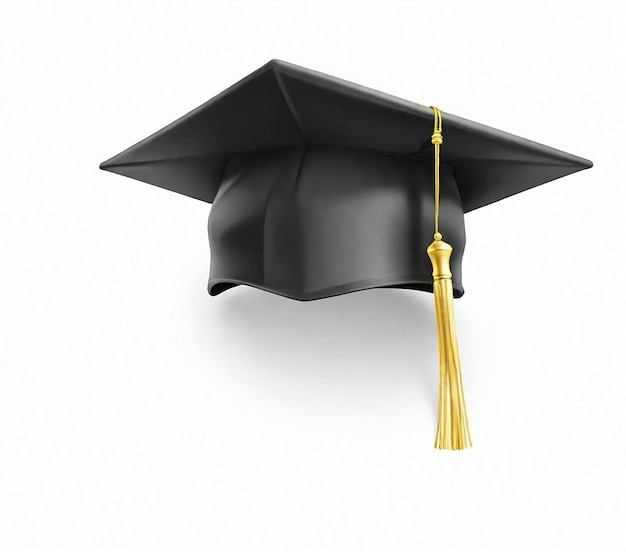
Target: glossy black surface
{"points": [[313, 222], [321, 186], [283, 105]]}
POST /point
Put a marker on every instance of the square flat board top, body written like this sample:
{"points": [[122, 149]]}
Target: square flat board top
{"points": [[283, 105]]}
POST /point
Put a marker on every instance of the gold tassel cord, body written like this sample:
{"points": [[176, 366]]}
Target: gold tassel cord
{"points": [[452, 426]]}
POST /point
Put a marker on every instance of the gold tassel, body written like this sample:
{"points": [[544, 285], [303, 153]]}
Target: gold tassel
{"points": [[452, 426]]}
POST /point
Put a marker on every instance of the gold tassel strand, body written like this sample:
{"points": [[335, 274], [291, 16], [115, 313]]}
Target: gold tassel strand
{"points": [[452, 426]]}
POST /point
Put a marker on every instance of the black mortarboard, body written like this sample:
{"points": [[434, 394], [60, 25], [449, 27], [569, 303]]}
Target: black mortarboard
{"points": [[321, 187]]}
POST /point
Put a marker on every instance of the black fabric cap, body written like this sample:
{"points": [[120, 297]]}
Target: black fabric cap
{"points": [[321, 186]]}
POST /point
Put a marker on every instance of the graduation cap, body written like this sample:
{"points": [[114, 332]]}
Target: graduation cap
{"points": [[321, 187]]}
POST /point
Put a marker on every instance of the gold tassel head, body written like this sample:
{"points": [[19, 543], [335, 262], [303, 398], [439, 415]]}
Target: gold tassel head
{"points": [[440, 252]]}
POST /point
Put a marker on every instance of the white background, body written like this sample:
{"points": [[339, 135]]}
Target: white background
{"points": [[138, 413]]}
